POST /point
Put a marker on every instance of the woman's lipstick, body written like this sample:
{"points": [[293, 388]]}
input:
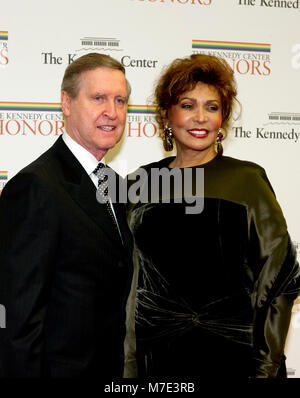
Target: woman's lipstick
{"points": [[198, 133]]}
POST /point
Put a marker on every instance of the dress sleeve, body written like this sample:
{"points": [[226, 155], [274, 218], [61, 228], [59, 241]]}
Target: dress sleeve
{"points": [[27, 233], [278, 278]]}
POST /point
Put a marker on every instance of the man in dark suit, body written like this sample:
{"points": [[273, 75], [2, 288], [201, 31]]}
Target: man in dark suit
{"points": [[65, 261]]}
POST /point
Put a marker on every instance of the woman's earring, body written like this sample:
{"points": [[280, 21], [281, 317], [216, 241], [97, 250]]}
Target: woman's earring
{"points": [[219, 142], [167, 137]]}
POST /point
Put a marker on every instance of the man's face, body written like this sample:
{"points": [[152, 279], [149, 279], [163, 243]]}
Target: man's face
{"points": [[96, 118]]}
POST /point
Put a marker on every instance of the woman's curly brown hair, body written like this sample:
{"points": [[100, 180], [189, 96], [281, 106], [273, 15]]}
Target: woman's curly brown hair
{"points": [[184, 73]]}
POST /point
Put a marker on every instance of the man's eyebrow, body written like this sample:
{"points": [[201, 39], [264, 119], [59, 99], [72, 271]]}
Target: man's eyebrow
{"points": [[98, 93]]}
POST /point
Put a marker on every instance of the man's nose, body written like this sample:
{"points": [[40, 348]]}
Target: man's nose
{"points": [[110, 109]]}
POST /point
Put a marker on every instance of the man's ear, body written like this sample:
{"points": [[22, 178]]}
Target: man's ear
{"points": [[65, 103]]}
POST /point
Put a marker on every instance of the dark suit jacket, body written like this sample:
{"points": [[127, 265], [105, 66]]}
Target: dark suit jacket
{"points": [[64, 273]]}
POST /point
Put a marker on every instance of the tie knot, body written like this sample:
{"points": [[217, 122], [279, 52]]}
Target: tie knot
{"points": [[101, 175], [99, 167]]}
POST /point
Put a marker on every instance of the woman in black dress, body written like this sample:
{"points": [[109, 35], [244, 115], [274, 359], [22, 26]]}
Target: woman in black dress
{"points": [[215, 287]]}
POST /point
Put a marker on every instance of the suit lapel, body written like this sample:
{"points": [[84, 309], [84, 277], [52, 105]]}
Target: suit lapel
{"points": [[80, 187], [97, 211]]}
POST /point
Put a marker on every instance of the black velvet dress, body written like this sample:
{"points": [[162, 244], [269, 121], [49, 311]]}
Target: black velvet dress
{"points": [[215, 289]]}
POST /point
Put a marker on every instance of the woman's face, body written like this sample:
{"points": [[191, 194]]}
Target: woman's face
{"points": [[196, 119]]}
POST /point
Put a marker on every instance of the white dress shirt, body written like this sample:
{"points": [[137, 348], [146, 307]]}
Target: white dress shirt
{"points": [[84, 157]]}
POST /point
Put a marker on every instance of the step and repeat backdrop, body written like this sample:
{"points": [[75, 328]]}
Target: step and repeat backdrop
{"points": [[258, 38]]}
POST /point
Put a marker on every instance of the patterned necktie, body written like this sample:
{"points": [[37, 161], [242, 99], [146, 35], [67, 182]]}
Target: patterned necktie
{"points": [[103, 189]]}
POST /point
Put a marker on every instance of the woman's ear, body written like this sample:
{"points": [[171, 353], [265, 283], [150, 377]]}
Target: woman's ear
{"points": [[164, 116]]}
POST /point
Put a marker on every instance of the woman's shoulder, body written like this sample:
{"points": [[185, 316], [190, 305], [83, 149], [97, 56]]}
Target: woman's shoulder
{"points": [[244, 173], [242, 168], [241, 164]]}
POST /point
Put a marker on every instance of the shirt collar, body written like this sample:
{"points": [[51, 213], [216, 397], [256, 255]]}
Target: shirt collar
{"points": [[84, 157]]}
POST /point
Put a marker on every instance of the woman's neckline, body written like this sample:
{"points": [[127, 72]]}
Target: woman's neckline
{"points": [[171, 158]]}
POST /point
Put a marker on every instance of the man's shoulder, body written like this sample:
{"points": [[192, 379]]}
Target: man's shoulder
{"points": [[39, 167], [39, 172]]}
